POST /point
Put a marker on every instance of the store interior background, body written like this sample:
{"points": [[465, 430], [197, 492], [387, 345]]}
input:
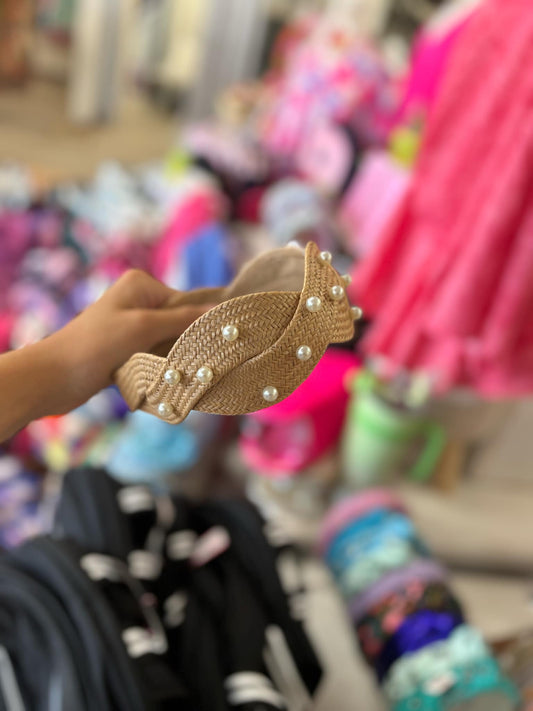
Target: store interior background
{"points": [[91, 86]]}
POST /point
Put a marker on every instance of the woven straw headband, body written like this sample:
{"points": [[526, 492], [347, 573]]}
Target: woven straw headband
{"points": [[254, 348]]}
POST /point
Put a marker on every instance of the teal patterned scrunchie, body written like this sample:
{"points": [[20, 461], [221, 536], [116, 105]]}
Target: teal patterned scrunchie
{"points": [[478, 687], [464, 647]]}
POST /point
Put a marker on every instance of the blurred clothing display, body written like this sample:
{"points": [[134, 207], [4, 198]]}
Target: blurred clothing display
{"points": [[144, 602], [16, 18], [449, 285], [430, 55], [234, 40], [335, 76], [170, 42], [371, 200], [99, 36], [20, 496], [55, 15], [233, 154], [328, 157]]}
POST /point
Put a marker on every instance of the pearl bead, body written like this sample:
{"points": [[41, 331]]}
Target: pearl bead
{"points": [[347, 279], [164, 410], [357, 313], [313, 304], [230, 333], [304, 353], [337, 292], [296, 245], [270, 393], [326, 257], [172, 377], [205, 375]]}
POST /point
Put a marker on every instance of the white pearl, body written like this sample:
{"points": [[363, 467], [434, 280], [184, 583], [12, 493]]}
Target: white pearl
{"points": [[205, 375], [270, 393], [230, 333], [326, 257], [172, 377], [164, 410], [337, 292], [357, 313], [347, 279], [296, 245], [304, 353], [313, 304]]}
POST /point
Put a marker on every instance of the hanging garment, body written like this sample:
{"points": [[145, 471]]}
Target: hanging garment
{"points": [[372, 199], [332, 76], [431, 52], [449, 284]]}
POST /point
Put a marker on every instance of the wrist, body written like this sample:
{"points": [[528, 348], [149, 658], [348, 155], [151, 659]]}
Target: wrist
{"points": [[49, 364], [30, 380]]}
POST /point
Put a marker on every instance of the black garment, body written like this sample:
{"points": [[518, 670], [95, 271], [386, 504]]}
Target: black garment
{"points": [[128, 617]]}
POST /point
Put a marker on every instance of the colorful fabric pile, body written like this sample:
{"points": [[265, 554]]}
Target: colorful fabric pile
{"points": [[332, 76], [57, 257], [411, 629], [21, 487]]}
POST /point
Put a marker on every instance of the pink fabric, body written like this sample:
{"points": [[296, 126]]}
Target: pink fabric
{"points": [[325, 157], [449, 285], [289, 436], [289, 39], [196, 211], [331, 77], [7, 321], [229, 150], [353, 508], [431, 53], [248, 204], [372, 199]]}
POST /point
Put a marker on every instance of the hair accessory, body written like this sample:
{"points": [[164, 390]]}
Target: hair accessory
{"points": [[419, 631], [480, 686], [366, 534], [351, 509], [421, 571], [277, 303], [387, 617], [464, 647], [366, 571]]}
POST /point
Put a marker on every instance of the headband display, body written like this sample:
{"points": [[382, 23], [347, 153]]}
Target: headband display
{"points": [[268, 331]]}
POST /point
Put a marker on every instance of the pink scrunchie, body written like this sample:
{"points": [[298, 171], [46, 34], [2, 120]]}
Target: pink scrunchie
{"points": [[349, 510]]}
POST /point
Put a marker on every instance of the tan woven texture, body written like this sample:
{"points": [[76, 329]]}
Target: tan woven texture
{"points": [[267, 303]]}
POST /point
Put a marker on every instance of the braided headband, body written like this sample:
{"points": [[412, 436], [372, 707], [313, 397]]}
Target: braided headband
{"points": [[254, 348]]}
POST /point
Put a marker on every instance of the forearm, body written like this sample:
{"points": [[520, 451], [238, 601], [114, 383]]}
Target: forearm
{"points": [[30, 379], [64, 370]]}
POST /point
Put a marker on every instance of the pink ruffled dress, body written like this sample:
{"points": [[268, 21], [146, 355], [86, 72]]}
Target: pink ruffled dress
{"points": [[450, 285]]}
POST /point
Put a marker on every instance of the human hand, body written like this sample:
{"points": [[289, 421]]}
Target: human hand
{"points": [[132, 316]]}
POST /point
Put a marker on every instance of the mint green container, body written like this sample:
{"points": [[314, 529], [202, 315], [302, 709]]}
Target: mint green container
{"points": [[382, 441]]}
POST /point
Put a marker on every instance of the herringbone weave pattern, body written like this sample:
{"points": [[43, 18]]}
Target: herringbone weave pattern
{"points": [[267, 303]]}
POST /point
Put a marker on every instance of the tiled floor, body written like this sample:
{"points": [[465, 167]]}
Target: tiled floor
{"points": [[348, 684]]}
